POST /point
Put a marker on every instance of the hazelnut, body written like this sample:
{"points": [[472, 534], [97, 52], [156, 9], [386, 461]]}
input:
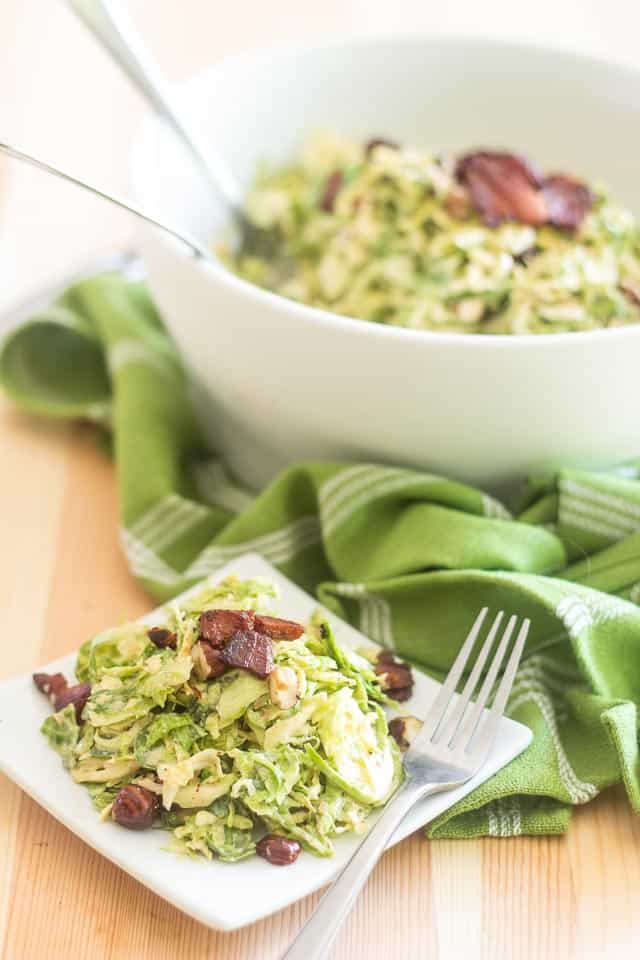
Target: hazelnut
{"points": [[135, 807], [396, 678], [283, 687], [161, 637], [404, 730], [278, 850]]}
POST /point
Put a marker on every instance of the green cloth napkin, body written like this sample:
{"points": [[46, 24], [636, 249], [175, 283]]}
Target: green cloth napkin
{"points": [[406, 556]]}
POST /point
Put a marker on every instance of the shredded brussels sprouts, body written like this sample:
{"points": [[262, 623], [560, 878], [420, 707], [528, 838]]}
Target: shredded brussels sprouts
{"points": [[384, 233], [224, 761]]}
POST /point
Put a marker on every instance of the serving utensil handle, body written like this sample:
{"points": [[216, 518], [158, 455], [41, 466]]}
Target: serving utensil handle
{"points": [[315, 939], [196, 248], [110, 25]]}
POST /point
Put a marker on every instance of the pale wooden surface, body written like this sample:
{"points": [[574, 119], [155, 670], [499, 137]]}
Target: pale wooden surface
{"points": [[63, 576], [572, 898]]}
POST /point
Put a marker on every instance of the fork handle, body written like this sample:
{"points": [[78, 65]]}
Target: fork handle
{"points": [[317, 935]]}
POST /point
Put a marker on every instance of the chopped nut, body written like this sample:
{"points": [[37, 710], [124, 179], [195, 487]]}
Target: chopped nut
{"points": [[283, 687], [404, 730], [207, 661], [503, 186], [135, 807], [161, 637], [250, 650], [218, 626], [278, 629], [330, 192], [568, 201], [77, 695], [51, 684], [396, 677], [278, 850]]}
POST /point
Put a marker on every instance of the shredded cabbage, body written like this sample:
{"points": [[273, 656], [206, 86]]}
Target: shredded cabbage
{"points": [[393, 250], [226, 762]]}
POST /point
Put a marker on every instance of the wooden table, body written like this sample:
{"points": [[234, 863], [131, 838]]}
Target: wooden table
{"points": [[553, 898], [63, 576]]}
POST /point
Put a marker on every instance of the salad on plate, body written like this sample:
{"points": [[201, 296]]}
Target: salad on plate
{"points": [[237, 731]]}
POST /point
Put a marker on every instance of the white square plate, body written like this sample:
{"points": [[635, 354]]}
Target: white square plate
{"points": [[220, 895]]}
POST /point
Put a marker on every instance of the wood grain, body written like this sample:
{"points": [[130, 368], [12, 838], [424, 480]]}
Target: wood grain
{"points": [[546, 898]]}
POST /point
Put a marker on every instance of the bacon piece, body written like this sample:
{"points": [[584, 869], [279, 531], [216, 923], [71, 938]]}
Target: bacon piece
{"points": [[568, 201], [77, 695], [135, 807], [278, 629], [503, 186], [250, 650], [281, 851], [51, 684], [218, 626], [207, 661], [331, 189]]}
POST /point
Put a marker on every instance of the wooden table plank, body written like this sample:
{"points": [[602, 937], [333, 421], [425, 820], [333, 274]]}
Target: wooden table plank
{"points": [[32, 477]]}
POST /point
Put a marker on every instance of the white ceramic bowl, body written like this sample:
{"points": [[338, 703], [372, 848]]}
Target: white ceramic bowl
{"points": [[279, 382]]}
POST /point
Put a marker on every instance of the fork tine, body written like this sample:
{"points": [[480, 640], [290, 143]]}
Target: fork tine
{"points": [[450, 728], [488, 728], [440, 704], [465, 734]]}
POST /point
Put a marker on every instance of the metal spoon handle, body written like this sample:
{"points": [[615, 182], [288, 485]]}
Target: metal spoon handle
{"points": [[195, 247], [111, 26]]}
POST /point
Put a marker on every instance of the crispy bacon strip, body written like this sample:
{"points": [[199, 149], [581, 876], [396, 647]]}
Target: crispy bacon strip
{"points": [[568, 201], [503, 186], [251, 651], [278, 629], [218, 626]]}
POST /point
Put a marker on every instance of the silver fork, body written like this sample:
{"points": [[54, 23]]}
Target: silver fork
{"points": [[452, 745]]}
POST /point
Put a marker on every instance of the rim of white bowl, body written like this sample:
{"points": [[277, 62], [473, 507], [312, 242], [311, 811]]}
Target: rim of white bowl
{"points": [[353, 325]]}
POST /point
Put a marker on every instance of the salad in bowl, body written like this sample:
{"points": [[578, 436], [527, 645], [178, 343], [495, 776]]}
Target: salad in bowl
{"points": [[477, 242]]}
